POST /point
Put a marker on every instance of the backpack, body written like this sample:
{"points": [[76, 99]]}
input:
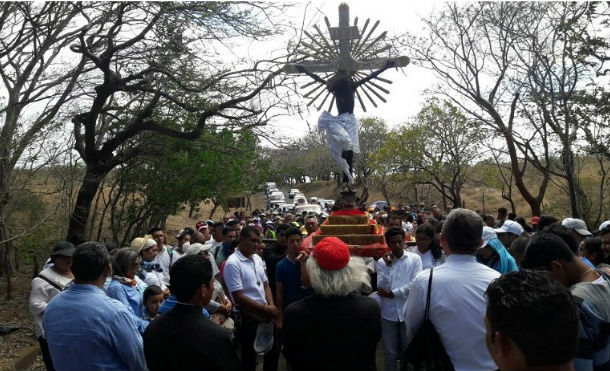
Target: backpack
{"points": [[426, 350]]}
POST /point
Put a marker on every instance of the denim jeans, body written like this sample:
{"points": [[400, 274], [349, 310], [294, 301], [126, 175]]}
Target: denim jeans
{"points": [[393, 337]]}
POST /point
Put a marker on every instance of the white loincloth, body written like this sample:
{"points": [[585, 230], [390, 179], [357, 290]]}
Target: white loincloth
{"points": [[342, 134]]}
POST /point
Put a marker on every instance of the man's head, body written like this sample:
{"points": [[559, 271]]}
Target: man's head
{"points": [[395, 238], [249, 239], [333, 272], [280, 233], [605, 236], [577, 227], [91, 263], [228, 234], [203, 228], [547, 251], [191, 280], [591, 248], [502, 212], [531, 322], [235, 225], [157, 235], [217, 231], [61, 256], [311, 224], [395, 222], [294, 239], [289, 218], [462, 232]]}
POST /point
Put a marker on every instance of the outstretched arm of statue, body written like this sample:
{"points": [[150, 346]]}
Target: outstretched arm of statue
{"points": [[302, 69], [388, 64]]}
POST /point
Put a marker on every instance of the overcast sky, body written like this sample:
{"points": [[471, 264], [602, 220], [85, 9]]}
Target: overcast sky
{"points": [[409, 83]]}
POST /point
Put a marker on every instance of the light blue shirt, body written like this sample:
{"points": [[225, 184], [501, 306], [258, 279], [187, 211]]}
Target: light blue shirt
{"points": [[87, 330], [131, 297]]}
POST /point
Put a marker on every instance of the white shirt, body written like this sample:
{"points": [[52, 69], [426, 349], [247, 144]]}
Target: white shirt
{"points": [[407, 227], [164, 261], [397, 278], [155, 278], [457, 309], [247, 274], [42, 293]]}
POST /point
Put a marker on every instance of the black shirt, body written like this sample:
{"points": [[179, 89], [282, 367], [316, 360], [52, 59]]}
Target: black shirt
{"points": [[332, 333], [273, 254], [183, 339]]}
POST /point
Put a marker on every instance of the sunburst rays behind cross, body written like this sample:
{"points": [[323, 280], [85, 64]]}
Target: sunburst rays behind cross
{"points": [[347, 49]]}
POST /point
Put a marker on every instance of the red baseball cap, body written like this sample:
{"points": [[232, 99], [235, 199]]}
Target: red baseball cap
{"points": [[331, 253], [535, 220]]}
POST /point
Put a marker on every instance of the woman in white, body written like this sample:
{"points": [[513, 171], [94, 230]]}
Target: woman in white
{"points": [[428, 247], [50, 282]]}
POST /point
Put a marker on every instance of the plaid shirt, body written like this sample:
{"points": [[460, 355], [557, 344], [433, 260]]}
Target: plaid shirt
{"points": [[593, 351]]}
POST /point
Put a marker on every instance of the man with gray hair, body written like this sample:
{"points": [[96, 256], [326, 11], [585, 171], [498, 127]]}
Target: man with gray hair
{"points": [[457, 300], [339, 327]]}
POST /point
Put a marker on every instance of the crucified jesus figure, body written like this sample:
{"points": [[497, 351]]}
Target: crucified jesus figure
{"points": [[343, 87]]}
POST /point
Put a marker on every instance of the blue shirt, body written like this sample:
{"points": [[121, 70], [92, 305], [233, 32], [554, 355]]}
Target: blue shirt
{"points": [[87, 330], [289, 274], [171, 302], [131, 297]]}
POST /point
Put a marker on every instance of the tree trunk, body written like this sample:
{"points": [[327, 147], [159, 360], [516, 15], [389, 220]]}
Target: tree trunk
{"points": [[573, 191], [6, 268], [213, 210], [80, 214]]}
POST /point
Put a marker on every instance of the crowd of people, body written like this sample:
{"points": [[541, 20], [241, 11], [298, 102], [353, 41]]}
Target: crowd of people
{"points": [[501, 294]]}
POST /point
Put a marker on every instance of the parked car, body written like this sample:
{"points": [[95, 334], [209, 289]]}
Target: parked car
{"points": [[285, 208], [300, 199], [292, 192], [309, 209]]}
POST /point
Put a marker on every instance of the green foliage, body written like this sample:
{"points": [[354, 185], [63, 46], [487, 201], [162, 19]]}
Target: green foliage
{"points": [[217, 166], [437, 149]]}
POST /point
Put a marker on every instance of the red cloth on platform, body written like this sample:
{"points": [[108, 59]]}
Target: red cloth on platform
{"points": [[348, 212]]}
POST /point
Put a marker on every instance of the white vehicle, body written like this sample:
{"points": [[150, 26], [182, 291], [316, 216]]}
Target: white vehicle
{"points": [[271, 185], [286, 208], [271, 190], [276, 194], [292, 192], [278, 203], [300, 199], [310, 208]]}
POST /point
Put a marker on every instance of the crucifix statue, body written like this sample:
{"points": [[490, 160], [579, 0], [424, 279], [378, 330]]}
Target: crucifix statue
{"points": [[342, 59]]}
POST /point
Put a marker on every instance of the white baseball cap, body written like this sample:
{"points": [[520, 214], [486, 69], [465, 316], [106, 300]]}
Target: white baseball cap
{"points": [[604, 225], [576, 224], [197, 248], [488, 234], [510, 226]]}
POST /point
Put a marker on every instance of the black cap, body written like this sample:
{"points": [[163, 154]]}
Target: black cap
{"points": [[63, 248]]}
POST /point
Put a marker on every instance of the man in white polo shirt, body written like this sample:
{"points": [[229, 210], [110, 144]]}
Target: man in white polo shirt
{"points": [[248, 286], [457, 300], [395, 272]]}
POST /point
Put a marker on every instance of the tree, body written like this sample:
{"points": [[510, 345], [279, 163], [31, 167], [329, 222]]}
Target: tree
{"points": [[471, 48], [150, 187], [154, 74], [372, 133], [37, 81], [438, 149]]}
